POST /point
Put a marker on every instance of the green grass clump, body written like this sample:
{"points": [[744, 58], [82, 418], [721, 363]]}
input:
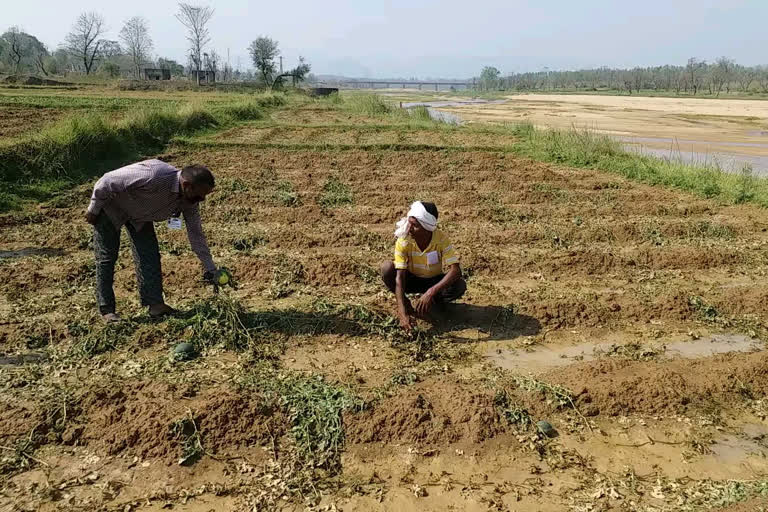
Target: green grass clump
{"points": [[249, 243], [286, 195], [220, 320], [270, 99], [38, 166], [584, 148], [368, 104], [420, 113], [335, 194], [315, 408], [705, 310], [515, 414], [90, 343], [244, 111], [185, 432], [69, 147]]}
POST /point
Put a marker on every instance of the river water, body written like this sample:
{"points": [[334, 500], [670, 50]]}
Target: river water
{"points": [[702, 153], [447, 117]]}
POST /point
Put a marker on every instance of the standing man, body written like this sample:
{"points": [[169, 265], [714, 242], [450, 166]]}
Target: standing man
{"points": [[425, 262], [135, 196]]}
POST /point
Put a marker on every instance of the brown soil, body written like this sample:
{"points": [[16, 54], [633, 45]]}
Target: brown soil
{"points": [[15, 121], [434, 414], [17, 421], [629, 387], [31, 80], [755, 505], [137, 418]]}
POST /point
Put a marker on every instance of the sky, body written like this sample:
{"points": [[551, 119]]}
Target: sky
{"points": [[431, 39]]}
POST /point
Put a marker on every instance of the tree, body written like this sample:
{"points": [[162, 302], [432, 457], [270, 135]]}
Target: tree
{"points": [[83, 40], [109, 49], [23, 52], [15, 49], [174, 67], [693, 69], [489, 78], [39, 54], [211, 62], [301, 71], [263, 52], [137, 42], [61, 62], [196, 19], [762, 77], [297, 74], [724, 69]]}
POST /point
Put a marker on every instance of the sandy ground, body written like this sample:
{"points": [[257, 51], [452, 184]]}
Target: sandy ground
{"points": [[707, 128]]}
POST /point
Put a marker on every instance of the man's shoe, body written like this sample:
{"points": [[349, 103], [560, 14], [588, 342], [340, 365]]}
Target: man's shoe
{"points": [[161, 310], [111, 318]]}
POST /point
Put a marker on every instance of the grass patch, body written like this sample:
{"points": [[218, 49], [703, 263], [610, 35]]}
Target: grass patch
{"points": [[635, 351], [558, 394], [249, 243], [335, 194], [315, 408], [373, 105], [705, 310], [420, 113], [513, 413], [243, 111], [286, 275], [286, 195], [186, 433], [92, 342], [369, 104], [216, 321], [68, 151], [583, 148]]}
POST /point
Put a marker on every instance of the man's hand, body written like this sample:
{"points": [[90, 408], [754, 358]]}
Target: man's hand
{"points": [[405, 322], [90, 218], [425, 303], [219, 277]]}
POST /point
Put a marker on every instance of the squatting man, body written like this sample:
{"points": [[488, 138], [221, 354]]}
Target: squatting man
{"points": [[422, 253], [135, 196]]}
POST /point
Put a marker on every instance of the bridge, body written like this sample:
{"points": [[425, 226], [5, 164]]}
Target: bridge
{"points": [[405, 84]]}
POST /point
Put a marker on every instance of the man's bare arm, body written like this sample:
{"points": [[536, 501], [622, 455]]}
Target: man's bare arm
{"points": [[402, 311]]}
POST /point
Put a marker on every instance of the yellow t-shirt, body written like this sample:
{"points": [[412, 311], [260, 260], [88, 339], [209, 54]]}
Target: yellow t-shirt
{"points": [[427, 263]]}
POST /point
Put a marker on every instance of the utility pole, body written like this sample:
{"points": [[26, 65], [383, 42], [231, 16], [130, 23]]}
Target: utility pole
{"points": [[281, 64]]}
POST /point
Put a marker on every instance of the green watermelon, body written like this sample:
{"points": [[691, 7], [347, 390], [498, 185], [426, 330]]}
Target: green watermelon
{"points": [[184, 352]]}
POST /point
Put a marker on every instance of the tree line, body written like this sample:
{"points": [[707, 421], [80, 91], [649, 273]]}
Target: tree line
{"points": [[695, 77], [87, 50]]}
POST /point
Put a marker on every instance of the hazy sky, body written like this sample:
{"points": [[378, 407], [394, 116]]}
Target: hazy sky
{"points": [[448, 38]]}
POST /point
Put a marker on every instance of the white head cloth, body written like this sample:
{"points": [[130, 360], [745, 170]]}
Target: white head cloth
{"points": [[426, 219]]}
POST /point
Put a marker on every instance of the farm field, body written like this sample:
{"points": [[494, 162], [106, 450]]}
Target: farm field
{"points": [[630, 317], [23, 111]]}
